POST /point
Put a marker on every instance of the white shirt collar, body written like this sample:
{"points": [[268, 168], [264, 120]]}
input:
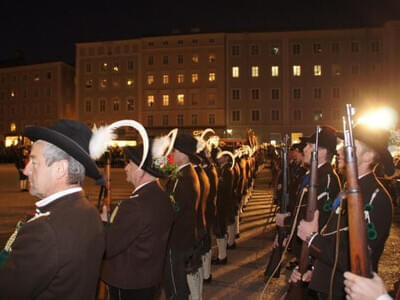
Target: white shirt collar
{"points": [[53, 197], [142, 185], [182, 166]]}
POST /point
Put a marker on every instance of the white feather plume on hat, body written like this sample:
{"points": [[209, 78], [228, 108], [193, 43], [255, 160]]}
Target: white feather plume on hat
{"points": [[203, 134], [163, 145], [201, 144], [102, 136], [220, 154]]}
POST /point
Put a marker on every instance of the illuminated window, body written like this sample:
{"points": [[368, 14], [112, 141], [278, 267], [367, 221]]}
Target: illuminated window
{"points": [[150, 121], [116, 104], [255, 94], [195, 59], [296, 70], [211, 77], [115, 67], [195, 119], [255, 71], [103, 83], [130, 104], [89, 83], [179, 120], [235, 72], [336, 92], [296, 93], [235, 94], [275, 50], [211, 58], [211, 119], [195, 77], [296, 48], [180, 78], [13, 127], [275, 116], [165, 60], [317, 70], [180, 99], [150, 100], [165, 100], [255, 115], [275, 71], [275, 94], [317, 49], [150, 79], [130, 82], [102, 105], [165, 120], [165, 79], [236, 115], [317, 115], [317, 93], [104, 67], [12, 94]]}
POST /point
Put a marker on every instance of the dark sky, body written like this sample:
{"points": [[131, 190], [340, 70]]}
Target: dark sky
{"points": [[47, 30]]}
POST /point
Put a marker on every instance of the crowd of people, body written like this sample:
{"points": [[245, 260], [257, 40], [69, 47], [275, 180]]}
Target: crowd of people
{"points": [[187, 190]]}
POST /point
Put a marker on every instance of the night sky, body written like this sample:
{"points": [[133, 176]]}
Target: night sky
{"points": [[47, 30]]}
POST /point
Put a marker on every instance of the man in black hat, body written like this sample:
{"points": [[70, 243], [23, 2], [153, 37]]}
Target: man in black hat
{"points": [[182, 270], [137, 238], [57, 253], [371, 150]]}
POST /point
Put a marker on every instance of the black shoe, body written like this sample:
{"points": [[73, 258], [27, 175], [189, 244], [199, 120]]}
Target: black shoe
{"points": [[218, 261], [207, 280], [231, 247]]}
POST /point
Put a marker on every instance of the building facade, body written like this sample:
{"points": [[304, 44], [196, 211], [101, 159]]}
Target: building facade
{"points": [[35, 95]]}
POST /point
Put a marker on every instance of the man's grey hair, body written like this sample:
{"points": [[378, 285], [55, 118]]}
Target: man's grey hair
{"points": [[76, 171]]}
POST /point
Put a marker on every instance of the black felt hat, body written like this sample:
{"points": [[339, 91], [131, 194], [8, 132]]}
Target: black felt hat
{"points": [[300, 146], [186, 144], [71, 136], [378, 140], [136, 153], [327, 138]]}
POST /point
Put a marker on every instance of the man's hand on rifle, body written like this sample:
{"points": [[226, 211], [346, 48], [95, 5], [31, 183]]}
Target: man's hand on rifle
{"points": [[104, 213], [362, 288], [307, 229], [296, 276], [280, 218]]}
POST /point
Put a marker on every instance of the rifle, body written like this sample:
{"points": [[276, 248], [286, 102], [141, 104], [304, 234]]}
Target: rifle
{"points": [[296, 289], [359, 258], [276, 255]]}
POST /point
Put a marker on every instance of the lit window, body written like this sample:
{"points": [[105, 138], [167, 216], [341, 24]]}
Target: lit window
{"points": [[115, 67], [13, 127], [130, 104], [195, 77], [296, 70], [235, 72], [165, 79], [179, 120], [12, 94], [180, 78], [195, 59], [165, 100], [255, 71], [317, 70], [104, 67], [211, 119], [317, 115], [180, 99], [211, 58], [211, 76], [103, 83], [150, 100], [236, 115], [275, 71], [130, 82], [150, 79], [115, 105], [102, 105]]}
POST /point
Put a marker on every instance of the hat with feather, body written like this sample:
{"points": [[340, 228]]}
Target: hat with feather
{"points": [[227, 153]]}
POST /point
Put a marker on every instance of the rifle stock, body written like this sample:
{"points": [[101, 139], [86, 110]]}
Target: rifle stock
{"points": [[359, 258], [276, 255], [296, 289]]}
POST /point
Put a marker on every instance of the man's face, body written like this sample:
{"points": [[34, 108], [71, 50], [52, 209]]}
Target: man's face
{"points": [[307, 153], [41, 177], [133, 173], [298, 156], [340, 157]]}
